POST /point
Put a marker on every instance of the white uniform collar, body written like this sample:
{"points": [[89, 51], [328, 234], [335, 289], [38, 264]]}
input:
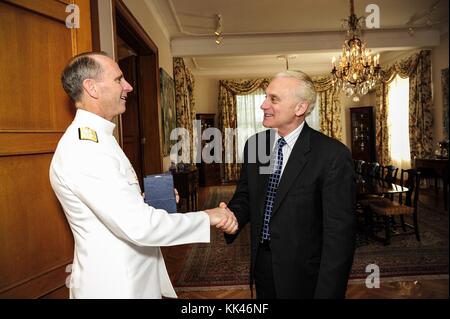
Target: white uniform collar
{"points": [[94, 121]]}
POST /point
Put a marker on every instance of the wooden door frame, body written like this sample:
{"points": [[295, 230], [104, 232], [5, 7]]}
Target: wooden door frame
{"points": [[95, 25], [148, 77]]}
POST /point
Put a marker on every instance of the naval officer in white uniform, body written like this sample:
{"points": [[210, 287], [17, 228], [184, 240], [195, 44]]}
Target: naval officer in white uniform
{"points": [[117, 235]]}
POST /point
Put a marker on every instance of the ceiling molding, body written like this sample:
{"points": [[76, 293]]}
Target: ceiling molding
{"points": [[256, 71], [252, 42], [194, 63], [295, 42], [158, 18]]}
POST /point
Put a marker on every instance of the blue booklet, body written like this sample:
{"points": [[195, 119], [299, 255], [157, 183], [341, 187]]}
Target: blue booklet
{"points": [[159, 192]]}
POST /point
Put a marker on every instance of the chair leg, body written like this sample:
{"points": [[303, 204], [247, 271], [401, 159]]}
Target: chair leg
{"points": [[393, 222], [387, 228], [402, 220], [416, 227]]}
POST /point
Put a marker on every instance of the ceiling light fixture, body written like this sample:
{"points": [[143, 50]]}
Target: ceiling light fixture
{"points": [[286, 59], [218, 32], [423, 19], [219, 40], [355, 71]]}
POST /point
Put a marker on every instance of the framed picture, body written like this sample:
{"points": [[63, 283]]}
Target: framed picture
{"points": [[169, 118], [444, 77]]}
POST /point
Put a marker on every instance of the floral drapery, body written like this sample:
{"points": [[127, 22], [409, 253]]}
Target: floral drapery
{"points": [[329, 108], [184, 99], [228, 89], [381, 135], [418, 68]]}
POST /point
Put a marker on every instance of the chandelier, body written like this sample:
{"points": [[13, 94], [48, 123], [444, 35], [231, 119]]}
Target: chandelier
{"points": [[356, 71]]}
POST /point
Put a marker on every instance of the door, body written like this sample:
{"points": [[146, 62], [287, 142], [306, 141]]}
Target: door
{"points": [[36, 243], [131, 131], [147, 85]]}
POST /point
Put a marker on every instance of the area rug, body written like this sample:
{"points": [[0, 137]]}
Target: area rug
{"points": [[218, 265]]}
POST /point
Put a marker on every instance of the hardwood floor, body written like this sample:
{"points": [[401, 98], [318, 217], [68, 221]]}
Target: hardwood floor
{"points": [[405, 289], [429, 287]]}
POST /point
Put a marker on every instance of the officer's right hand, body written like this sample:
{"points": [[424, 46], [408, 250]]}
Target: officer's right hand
{"points": [[223, 219]]}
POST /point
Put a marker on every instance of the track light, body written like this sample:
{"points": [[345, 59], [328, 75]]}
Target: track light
{"points": [[218, 32], [219, 39]]}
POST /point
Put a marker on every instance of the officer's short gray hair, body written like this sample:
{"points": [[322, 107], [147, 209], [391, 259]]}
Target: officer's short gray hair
{"points": [[80, 68], [305, 91]]}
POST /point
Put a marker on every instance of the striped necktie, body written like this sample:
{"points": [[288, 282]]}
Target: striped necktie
{"points": [[274, 180]]}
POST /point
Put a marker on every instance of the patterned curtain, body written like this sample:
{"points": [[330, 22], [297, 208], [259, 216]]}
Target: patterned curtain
{"points": [[329, 108], [228, 89], [382, 136], [184, 99], [420, 116], [418, 68]]}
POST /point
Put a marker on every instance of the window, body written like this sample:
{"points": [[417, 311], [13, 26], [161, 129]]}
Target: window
{"points": [[398, 122], [313, 118], [249, 117]]}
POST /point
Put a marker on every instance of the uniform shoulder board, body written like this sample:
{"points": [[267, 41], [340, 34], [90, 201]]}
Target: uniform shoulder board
{"points": [[88, 134]]}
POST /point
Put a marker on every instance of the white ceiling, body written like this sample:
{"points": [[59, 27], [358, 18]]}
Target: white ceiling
{"points": [[257, 31]]}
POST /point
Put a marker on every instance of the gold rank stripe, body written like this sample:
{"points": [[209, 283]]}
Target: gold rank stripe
{"points": [[88, 134]]}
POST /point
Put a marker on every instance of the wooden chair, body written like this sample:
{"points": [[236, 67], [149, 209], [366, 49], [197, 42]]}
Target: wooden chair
{"points": [[371, 172], [406, 205], [358, 166], [389, 173]]}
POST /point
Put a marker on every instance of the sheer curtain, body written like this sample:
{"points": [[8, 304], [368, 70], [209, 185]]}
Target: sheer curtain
{"points": [[313, 118], [249, 117], [398, 123]]}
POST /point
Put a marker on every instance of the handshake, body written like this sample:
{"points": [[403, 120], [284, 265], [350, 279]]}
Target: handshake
{"points": [[223, 218]]}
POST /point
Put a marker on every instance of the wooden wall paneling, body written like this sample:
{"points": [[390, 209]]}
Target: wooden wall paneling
{"points": [[36, 243], [13, 143], [61, 293], [34, 234], [47, 285], [38, 48], [49, 8]]}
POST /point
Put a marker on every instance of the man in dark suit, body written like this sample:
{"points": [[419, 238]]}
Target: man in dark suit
{"points": [[301, 206]]}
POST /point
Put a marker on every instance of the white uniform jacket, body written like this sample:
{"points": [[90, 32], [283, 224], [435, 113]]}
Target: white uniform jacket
{"points": [[117, 235]]}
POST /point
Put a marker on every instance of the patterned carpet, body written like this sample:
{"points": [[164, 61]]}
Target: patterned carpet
{"points": [[218, 265]]}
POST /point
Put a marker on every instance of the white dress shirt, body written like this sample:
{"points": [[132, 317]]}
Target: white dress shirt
{"points": [[290, 139], [117, 235]]}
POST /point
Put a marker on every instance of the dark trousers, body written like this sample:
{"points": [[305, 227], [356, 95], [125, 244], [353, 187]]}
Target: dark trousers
{"points": [[264, 284]]}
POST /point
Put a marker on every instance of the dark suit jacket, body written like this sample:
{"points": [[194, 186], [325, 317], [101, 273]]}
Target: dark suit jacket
{"points": [[313, 220]]}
